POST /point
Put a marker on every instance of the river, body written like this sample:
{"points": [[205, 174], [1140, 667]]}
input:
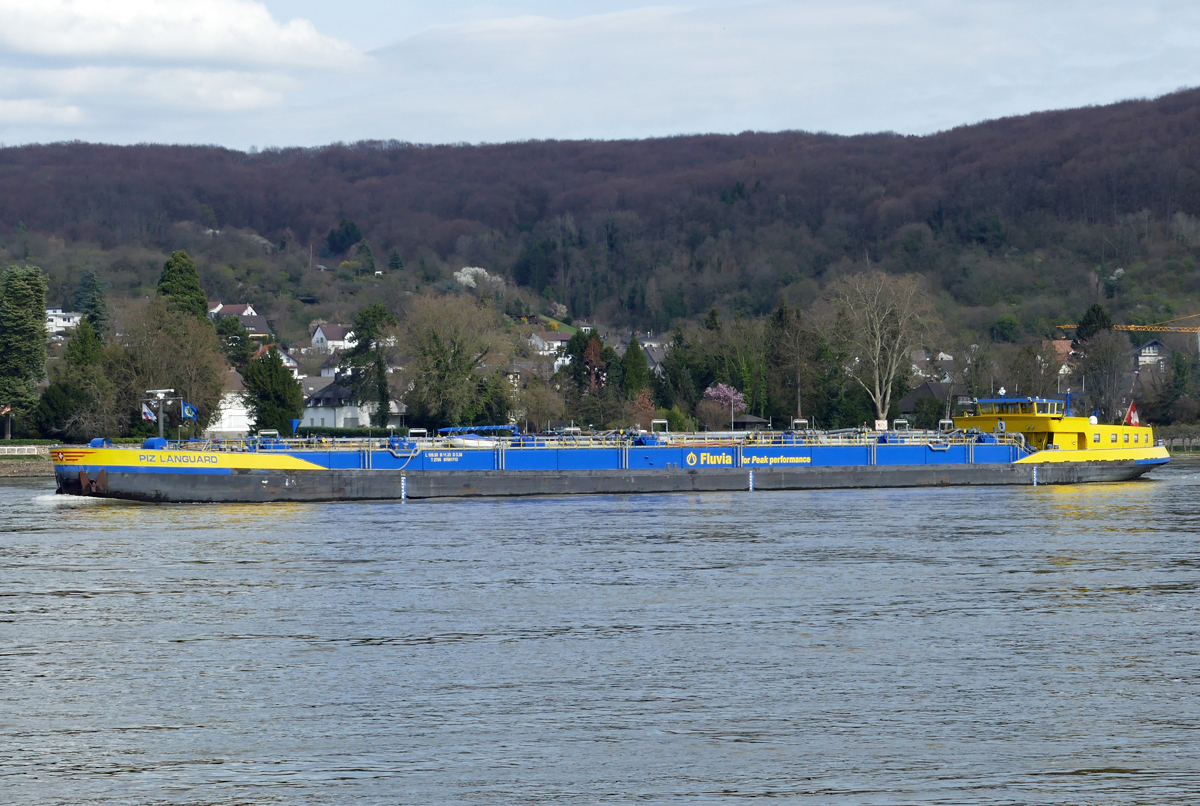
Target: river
{"points": [[957, 646]]}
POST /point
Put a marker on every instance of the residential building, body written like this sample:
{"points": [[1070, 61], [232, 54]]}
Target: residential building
{"points": [[329, 338], [59, 321], [1151, 355], [255, 323], [258, 326], [288, 361], [329, 369], [938, 391], [216, 309], [548, 342], [332, 407], [656, 354], [233, 420]]}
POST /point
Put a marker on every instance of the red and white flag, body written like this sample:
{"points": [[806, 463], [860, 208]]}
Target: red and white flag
{"points": [[1131, 416]]}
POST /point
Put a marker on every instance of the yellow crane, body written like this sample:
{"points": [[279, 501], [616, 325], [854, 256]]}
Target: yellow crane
{"points": [[1159, 327]]}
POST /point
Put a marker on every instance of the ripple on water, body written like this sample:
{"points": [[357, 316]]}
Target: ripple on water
{"points": [[1002, 645]]}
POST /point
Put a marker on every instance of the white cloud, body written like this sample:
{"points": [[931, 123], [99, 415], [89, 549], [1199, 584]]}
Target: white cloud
{"points": [[222, 31], [39, 111], [87, 68], [230, 72], [862, 65]]}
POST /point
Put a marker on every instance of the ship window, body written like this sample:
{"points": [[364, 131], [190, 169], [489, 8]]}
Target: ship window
{"points": [[1112, 437], [1043, 408], [1095, 437], [1135, 437], [986, 408], [1126, 437]]}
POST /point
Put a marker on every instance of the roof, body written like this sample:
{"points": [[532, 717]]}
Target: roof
{"points": [[551, 335], [284, 354], [333, 332], [748, 418], [233, 381], [257, 325], [333, 394], [929, 390], [656, 353], [311, 385], [332, 362], [234, 310]]}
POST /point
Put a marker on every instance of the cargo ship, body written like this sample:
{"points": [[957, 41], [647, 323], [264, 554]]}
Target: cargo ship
{"points": [[1003, 441]]}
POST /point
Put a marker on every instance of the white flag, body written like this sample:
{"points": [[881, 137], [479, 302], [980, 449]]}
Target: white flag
{"points": [[147, 414]]}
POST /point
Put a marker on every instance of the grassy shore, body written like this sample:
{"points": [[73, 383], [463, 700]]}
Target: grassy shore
{"points": [[21, 466]]}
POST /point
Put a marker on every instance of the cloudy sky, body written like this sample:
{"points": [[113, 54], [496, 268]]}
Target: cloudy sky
{"points": [[263, 73]]}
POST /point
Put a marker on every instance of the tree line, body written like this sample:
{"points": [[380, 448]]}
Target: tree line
{"points": [[1014, 223], [458, 359]]}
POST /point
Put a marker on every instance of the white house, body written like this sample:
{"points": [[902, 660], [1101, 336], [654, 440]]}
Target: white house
{"points": [[548, 342], [328, 338], [331, 407], [329, 369], [59, 321], [233, 418], [292, 364], [217, 309], [1152, 354]]}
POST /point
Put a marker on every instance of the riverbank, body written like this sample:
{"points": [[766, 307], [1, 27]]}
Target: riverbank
{"points": [[25, 466]]}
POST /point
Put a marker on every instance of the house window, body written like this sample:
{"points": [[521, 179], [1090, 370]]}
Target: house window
{"points": [[322, 421]]}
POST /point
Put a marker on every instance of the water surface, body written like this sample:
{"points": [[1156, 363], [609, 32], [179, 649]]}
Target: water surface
{"points": [[991, 645]]}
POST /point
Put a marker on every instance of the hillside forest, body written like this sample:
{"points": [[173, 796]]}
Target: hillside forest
{"points": [[1011, 228]]}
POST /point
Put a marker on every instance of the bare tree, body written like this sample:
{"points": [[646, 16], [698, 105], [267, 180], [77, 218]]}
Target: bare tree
{"points": [[1105, 372], [881, 318], [1033, 370]]}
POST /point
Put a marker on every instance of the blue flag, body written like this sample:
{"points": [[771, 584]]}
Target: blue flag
{"points": [[189, 411]]}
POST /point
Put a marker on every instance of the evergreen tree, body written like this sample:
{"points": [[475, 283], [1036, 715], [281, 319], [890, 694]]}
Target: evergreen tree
{"points": [[341, 238], [1096, 320], [368, 380], [91, 300], [22, 340], [84, 349], [366, 257], [395, 262], [273, 395], [236, 345], [180, 283], [78, 404], [635, 370], [713, 320]]}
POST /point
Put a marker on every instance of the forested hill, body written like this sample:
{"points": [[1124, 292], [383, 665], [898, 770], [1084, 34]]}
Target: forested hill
{"points": [[1029, 218]]}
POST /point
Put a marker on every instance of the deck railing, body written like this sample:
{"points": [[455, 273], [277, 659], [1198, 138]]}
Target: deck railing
{"points": [[856, 438]]}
